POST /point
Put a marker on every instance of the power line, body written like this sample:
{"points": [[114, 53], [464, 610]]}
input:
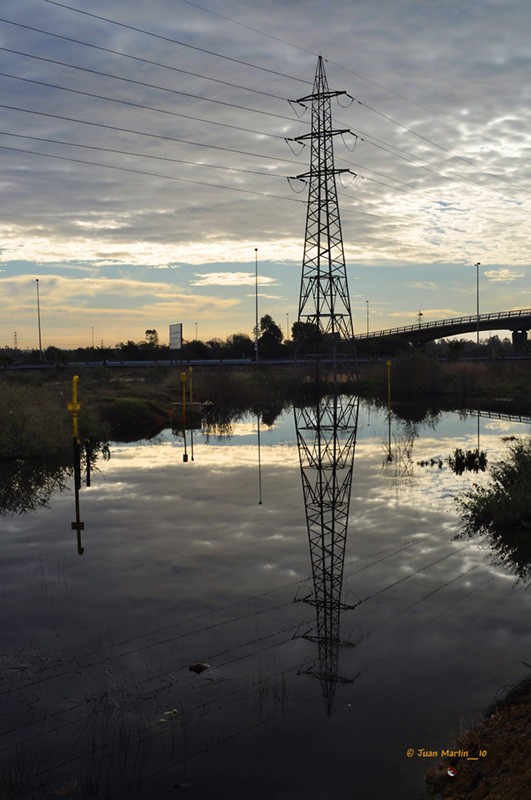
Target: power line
{"points": [[388, 552], [154, 174], [429, 141], [407, 100], [117, 151], [146, 85], [340, 66], [250, 28], [176, 41], [402, 154], [141, 105], [290, 119], [138, 155], [151, 174], [196, 119], [137, 133], [468, 161], [142, 60]]}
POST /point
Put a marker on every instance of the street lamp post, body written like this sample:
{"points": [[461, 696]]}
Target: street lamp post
{"points": [[39, 318], [287, 327], [477, 266], [420, 315], [256, 304], [367, 316], [196, 331]]}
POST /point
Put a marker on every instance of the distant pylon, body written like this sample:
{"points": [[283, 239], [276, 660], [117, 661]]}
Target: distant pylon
{"points": [[324, 296]]}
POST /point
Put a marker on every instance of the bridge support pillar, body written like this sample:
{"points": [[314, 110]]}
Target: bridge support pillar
{"points": [[520, 342]]}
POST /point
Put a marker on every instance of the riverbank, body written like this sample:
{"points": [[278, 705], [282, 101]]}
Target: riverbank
{"points": [[417, 376], [139, 402], [503, 735]]}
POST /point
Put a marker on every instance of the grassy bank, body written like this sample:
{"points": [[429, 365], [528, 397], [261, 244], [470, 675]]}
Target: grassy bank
{"points": [[122, 403], [415, 375]]}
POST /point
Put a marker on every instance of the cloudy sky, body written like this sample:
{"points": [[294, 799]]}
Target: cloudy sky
{"points": [[145, 164]]}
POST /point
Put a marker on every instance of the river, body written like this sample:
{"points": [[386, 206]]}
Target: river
{"points": [[182, 565]]}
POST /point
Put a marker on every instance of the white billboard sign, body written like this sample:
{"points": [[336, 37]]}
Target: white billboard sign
{"points": [[176, 336]]}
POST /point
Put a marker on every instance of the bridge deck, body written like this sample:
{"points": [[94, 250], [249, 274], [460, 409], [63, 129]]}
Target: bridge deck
{"points": [[519, 320]]}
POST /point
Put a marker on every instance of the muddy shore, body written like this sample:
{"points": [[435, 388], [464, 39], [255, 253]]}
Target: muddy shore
{"points": [[501, 741]]}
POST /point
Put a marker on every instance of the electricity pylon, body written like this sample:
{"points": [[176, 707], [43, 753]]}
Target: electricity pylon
{"points": [[327, 424], [324, 296]]}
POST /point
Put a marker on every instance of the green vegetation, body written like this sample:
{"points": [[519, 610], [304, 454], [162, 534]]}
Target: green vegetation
{"points": [[501, 511], [36, 421], [469, 461], [132, 418], [415, 375]]}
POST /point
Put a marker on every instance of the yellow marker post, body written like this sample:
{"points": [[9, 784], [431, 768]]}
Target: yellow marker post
{"points": [[74, 405], [74, 408]]}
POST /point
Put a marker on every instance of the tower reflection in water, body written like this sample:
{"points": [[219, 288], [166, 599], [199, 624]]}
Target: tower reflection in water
{"points": [[327, 427], [326, 439]]}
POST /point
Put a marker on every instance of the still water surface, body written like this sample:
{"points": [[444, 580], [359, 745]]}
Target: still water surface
{"points": [[182, 564]]}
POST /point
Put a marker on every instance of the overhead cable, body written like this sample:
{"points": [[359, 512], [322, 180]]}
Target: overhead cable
{"points": [[138, 58], [150, 174], [140, 105], [146, 85], [117, 151], [176, 41], [336, 64], [137, 133]]}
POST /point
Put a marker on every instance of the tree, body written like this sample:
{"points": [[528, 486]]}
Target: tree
{"points": [[216, 347], [455, 348], [53, 355], [270, 339], [269, 326], [196, 349], [152, 338], [500, 511], [239, 345], [129, 351], [305, 336]]}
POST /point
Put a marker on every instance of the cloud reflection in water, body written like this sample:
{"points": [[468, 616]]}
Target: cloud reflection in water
{"points": [[181, 564]]}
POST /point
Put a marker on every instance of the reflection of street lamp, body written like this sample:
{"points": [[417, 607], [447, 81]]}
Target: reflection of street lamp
{"points": [[420, 315], [477, 266], [39, 317], [367, 316]]}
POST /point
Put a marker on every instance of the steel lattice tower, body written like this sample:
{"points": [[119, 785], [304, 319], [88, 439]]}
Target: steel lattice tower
{"points": [[324, 296], [327, 424]]}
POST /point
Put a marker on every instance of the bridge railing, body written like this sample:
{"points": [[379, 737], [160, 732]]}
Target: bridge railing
{"points": [[471, 319]]}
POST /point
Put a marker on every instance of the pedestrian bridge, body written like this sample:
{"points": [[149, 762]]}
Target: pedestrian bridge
{"points": [[519, 322]]}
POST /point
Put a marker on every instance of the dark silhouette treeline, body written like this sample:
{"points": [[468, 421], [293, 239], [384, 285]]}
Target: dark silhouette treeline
{"points": [[305, 338]]}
